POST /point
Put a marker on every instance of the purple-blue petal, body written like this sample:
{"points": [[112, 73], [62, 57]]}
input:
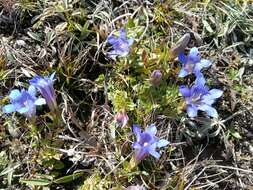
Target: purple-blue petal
{"points": [[182, 73], [32, 91], [182, 58], [215, 93], [14, 94], [162, 143], [192, 111], [200, 79], [122, 33], [194, 55], [112, 39], [52, 76], [9, 108], [151, 130], [23, 110], [154, 153], [40, 101], [141, 154], [204, 63], [136, 145], [209, 110], [130, 41], [184, 91], [137, 131]]}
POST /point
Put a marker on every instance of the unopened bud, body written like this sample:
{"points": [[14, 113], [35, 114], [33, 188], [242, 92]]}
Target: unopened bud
{"points": [[156, 77], [122, 118], [180, 45]]}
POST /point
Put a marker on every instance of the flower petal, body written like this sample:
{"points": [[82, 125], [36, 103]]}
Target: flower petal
{"points": [[185, 91], [130, 41], [154, 153], [200, 79], [183, 73], [209, 110], [192, 111], [112, 39], [52, 76], [122, 33], [202, 64], [151, 129], [182, 58], [215, 93], [206, 100], [14, 94], [194, 56], [23, 110], [162, 143], [137, 131], [136, 145], [124, 53], [141, 154], [32, 91], [40, 101], [9, 108], [114, 53]]}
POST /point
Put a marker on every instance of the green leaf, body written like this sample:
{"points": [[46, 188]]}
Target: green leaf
{"points": [[121, 101], [207, 26], [36, 182], [235, 134], [68, 178], [35, 36]]}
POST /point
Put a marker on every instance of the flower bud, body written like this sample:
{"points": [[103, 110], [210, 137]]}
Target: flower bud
{"points": [[156, 77], [122, 118]]}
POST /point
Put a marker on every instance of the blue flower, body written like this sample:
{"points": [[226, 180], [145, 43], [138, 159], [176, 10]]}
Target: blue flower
{"points": [[46, 88], [146, 142], [24, 102], [192, 64], [199, 97], [121, 45]]}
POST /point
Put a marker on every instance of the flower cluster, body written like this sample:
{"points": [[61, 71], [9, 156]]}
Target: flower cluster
{"points": [[146, 142], [25, 101], [197, 97]]}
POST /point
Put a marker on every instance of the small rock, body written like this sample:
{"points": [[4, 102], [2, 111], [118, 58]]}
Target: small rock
{"points": [[20, 43]]}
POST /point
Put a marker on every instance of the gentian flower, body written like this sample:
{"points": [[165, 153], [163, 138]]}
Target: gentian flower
{"points": [[24, 102], [156, 77], [121, 45], [45, 86], [192, 63], [199, 97], [146, 142]]}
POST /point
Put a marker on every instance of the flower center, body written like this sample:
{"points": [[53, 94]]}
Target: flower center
{"points": [[196, 98], [123, 46], [145, 139], [145, 144], [25, 103], [189, 66]]}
